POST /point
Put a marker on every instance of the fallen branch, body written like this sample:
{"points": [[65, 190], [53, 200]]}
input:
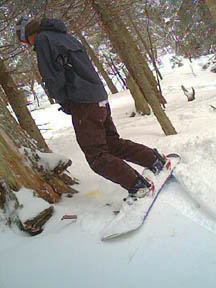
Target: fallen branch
{"points": [[60, 187], [62, 166], [74, 217], [34, 226]]}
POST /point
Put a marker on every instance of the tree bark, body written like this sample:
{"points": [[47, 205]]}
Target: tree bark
{"points": [[97, 63], [140, 103], [155, 84], [131, 56], [3, 98], [34, 226], [23, 165], [212, 8], [146, 48], [16, 100], [151, 55]]}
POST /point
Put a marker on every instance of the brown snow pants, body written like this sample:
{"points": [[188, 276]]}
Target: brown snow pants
{"points": [[104, 150]]}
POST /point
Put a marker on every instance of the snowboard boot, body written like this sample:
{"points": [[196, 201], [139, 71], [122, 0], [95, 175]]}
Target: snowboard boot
{"points": [[161, 162], [142, 188]]}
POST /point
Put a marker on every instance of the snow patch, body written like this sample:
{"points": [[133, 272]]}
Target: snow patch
{"points": [[31, 205]]}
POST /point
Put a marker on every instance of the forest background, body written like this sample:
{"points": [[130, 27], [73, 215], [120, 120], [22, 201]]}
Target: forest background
{"points": [[125, 40]]}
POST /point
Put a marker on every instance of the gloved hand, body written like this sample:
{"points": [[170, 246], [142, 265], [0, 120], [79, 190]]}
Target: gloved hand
{"points": [[65, 107]]}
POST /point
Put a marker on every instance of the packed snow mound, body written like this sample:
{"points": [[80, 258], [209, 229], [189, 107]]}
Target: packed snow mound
{"points": [[197, 173]]}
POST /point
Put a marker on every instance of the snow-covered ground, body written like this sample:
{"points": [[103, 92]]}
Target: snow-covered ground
{"points": [[176, 247]]}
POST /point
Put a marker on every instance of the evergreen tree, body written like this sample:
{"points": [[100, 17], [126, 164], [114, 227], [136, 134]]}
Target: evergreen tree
{"points": [[131, 56]]}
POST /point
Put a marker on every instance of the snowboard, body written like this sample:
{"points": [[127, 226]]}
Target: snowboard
{"points": [[133, 213]]}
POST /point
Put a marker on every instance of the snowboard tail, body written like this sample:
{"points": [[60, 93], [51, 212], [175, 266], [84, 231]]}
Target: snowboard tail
{"points": [[133, 214]]}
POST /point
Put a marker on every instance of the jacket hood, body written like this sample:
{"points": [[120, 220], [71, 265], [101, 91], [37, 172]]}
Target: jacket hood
{"points": [[55, 25]]}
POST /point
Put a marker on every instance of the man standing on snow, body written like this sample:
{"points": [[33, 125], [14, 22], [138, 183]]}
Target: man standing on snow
{"points": [[73, 82]]}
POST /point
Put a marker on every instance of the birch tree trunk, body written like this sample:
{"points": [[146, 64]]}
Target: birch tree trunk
{"points": [[16, 100], [131, 56]]}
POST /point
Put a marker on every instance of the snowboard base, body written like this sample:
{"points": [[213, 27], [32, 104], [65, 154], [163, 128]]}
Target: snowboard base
{"points": [[133, 213]]}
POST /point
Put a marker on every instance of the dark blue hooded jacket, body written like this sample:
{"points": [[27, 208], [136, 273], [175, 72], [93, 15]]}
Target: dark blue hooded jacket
{"points": [[77, 82]]}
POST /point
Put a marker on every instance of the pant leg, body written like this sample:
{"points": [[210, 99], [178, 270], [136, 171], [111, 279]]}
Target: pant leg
{"points": [[89, 124], [126, 149]]}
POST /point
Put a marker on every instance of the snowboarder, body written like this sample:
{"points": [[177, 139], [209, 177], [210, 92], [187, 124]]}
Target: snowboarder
{"points": [[72, 81]]}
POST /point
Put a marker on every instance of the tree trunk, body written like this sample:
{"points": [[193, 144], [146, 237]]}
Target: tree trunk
{"points": [[97, 63], [16, 100], [212, 8], [22, 165], [131, 56], [140, 103], [152, 57], [39, 80], [3, 97]]}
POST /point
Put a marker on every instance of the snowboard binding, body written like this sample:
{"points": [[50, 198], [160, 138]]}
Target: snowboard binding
{"points": [[161, 162], [144, 187]]}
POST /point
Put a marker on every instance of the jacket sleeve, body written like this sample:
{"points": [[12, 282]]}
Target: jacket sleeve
{"points": [[52, 74]]}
